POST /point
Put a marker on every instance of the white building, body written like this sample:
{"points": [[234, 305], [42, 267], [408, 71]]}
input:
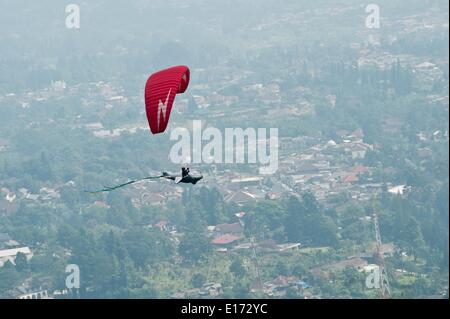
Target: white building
{"points": [[11, 254]]}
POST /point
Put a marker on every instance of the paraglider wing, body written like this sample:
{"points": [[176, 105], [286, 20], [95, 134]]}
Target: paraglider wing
{"points": [[160, 92]]}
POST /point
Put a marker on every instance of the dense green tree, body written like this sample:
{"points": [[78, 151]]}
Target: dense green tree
{"points": [[9, 278], [294, 224], [281, 268], [147, 247], [21, 262], [237, 268], [194, 247], [198, 280], [266, 220]]}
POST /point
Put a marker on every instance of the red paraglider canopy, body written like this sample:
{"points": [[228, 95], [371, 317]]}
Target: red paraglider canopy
{"points": [[160, 92]]}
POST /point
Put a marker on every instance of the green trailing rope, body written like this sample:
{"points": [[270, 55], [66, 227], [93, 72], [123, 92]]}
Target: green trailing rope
{"points": [[109, 189]]}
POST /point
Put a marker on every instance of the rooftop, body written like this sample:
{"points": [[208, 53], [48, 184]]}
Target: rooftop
{"points": [[225, 239]]}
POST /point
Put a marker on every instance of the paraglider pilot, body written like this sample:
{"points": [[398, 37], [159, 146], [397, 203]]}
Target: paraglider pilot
{"points": [[184, 172]]}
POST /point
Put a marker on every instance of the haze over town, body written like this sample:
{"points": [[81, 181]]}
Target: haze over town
{"points": [[361, 115]]}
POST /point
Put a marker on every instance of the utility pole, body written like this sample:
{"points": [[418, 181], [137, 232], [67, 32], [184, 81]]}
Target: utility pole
{"points": [[254, 255], [255, 260], [384, 281]]}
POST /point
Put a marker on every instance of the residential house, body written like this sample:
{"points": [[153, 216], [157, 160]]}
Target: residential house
{"points": [[387, 249], [8, 204], [233, 229], [211, 290], [164, 225], [152, 199], [279, 286], [241, 197], [11, 254], [359, 150], [35, 294], [48, 194], [31, 289], [239, 183], [226, 241], [350, 179], [357, 263], [289, 247], [6, 242], [208, 290]]}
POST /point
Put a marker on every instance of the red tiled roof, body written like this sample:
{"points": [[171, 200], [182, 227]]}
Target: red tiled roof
{"points": [[162, 223], [359, 169], [350, 179], [225, 239], [240, 215]]}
